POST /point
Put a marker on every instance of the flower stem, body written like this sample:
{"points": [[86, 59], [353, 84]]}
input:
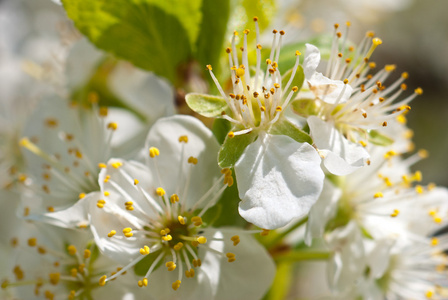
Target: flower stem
{"points": [[302, 255]]}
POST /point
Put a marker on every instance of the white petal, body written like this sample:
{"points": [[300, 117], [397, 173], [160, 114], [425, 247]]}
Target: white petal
{"points": [[379, 257], [342, 157], [312, 60], [348, 263], [278, 180], [322, 211], [329, 90], [74, 215], [178, 176], [248, 277]]}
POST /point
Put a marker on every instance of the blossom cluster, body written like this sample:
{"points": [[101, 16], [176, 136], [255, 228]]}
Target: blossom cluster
{"points": [[137, 202]]}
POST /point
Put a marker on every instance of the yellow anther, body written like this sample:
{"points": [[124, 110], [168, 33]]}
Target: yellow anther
{"points": [[228, 180], [165, 231], [71, 250], [276, 85], [181, 220], [364, 144], [103, 111], [171, 266], [74, 272], [278, 108], [82, 195], [418, 91], [160, 192], [100, 203], [5, 284], [102, 165], [189, 273], [183, 139], [384, 124], [240, 72], [145, 250], [230, 257], [209, 67], [106, 193], [431, 186], [197, 221], [419, 189], [295, 89], [246, 31], [423, 153], [255, 19], [231, 134], [128, 203], [50, 122], [111, 233], [54, 278], [372, 65], [202, 240], [264, 232], [434, 241], [102, 280], [262, 108], [112, 126], [145, 281], [298, 53], [174, 198], [140, 283], [197, 263], [438, 219], [404, 87], [87, 253], [135, 181], [153, 152], [417, 176], [116, 164], [345, 81], [192, 160], [127, 230], [32, 242], [395, 213], [50, 209], [432, 212], [268, 61], [176, 285], [377, 41], [390, 68], [401, 119], [228, 50], [429, 294], [167, 238], [178, 246], [128, 235], [235, 239], [390, 154], [41, 250], [195, 243], [378, 195], [405, 75]]}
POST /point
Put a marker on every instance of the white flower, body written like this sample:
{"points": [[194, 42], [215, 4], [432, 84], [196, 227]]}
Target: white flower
{"points": [[412, 268], [382, 198], [278, 171], [64, 147], [58, 263], [152, 214], [348, 104]]}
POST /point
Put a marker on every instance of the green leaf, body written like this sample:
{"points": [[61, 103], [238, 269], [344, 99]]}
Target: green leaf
{"points": [[285, 127], [213, 34], [154, 35], [206, 105], [299, 77], [233, 148], [220, 129], [379, 139]]}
